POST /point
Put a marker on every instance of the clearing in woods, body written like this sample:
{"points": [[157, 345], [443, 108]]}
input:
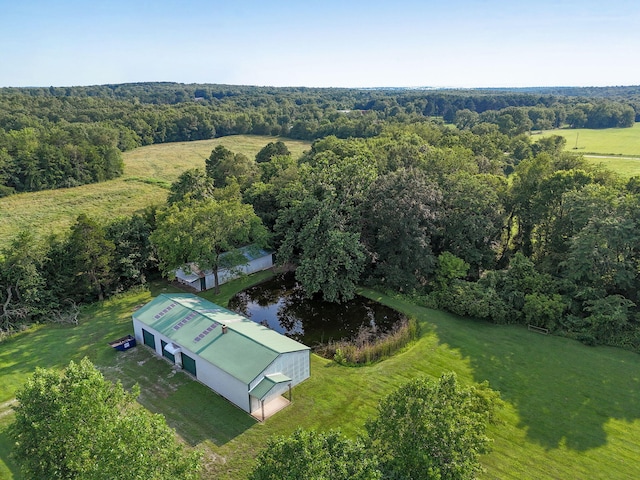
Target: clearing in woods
{"points": [[148, 172]]}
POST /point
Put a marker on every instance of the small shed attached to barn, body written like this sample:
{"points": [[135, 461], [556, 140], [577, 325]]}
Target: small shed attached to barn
{"points": [[247, 363], [257, 260]]}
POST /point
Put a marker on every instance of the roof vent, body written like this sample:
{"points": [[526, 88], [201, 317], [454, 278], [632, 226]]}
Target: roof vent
{"points": [[224, 329]]}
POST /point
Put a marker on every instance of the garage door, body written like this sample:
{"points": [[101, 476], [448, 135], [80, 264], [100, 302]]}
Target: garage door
{"points": [[166, 354], [189, 364], [149, 339]]}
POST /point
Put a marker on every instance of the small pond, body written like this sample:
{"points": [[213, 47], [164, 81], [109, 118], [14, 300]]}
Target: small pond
{"points": [[281, 304]]}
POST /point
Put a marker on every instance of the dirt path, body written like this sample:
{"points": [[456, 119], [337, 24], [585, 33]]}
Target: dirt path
{"points": [[611, 156]]}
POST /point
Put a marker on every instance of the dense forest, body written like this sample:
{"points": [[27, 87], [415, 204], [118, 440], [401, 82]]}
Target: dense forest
{"points": [[63, 137], [466, 214]]}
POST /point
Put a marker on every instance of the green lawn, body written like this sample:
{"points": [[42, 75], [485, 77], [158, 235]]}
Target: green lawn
{"points": [[147, 174], [571, 411]]}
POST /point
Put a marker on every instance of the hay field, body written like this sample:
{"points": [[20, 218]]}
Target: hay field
{"points": [[148, 173]]}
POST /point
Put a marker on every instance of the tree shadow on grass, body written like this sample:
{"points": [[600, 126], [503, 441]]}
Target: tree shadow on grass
{"points": [[192, 409], [564, 392], [5, 449]]}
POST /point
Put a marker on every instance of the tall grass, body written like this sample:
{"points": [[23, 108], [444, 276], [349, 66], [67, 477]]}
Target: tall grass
{"points": [[369, 346]]}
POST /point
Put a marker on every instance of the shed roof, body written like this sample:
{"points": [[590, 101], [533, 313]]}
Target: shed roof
{"points": [[262, 389], [250, 252], [196, 324]]}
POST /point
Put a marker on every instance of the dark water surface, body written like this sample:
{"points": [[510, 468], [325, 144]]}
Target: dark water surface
{"points": [[281, 304]]}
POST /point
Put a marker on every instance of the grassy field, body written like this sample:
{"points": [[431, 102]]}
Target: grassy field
{"points": [[147, 174], [608, 142], [571, 411]]}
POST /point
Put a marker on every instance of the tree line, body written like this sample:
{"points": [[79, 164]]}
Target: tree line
{"points": [[423, 210], [61, 137]]}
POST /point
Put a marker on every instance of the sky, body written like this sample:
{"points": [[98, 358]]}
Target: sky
{"points": [[328, 43]]}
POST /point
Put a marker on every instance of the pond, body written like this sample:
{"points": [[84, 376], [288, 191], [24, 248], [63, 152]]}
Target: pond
{"points": [[281, 304]]}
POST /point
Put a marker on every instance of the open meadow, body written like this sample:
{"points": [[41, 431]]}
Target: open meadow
{"points": [[614, 148], [571, 411], [148, 173]]}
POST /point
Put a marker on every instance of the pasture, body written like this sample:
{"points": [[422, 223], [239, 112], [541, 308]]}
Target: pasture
{"points": [[148, 173], [605, 141], [571, 411]]}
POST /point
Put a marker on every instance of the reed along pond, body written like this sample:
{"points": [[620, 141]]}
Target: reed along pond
{"points": [[281, 304]]}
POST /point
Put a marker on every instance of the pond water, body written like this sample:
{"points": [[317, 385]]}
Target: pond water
{"points": [[281, 304]]}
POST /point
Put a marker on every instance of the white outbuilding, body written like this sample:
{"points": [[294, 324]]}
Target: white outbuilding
{"points": [[247, 363], [257, 259]]}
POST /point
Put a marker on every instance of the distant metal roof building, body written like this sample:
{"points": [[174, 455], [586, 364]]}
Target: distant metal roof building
{"points": [[258, 259], [245, 362]]}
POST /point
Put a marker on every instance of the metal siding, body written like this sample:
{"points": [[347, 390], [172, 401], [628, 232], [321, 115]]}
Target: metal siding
{"points": [[294, 365], [224, 384]]}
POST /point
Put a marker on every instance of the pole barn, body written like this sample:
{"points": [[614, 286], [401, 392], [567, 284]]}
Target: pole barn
{"points": [[247, 363]]}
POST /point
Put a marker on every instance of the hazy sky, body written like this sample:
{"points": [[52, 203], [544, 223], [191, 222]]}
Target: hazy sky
{"points": [[329, 43]]}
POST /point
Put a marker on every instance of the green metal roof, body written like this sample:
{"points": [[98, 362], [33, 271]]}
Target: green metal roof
{"points": [[262, 389], [196, 324]]}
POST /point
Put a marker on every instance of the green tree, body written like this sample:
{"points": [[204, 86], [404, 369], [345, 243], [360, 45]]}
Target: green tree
{"points": [[320, 226], [270, 150], [449, 268], [471, 219], [328, 252], [543, 310], [134, 256], [192, 183], [91, 255], [223, 164], [200, 232], [23, 295], [317, 456], [399, 221], [430, 429], [77, 425]]}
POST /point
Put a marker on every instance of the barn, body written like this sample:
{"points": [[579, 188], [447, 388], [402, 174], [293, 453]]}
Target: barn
{"points": [[249, 364], [257, 260]]}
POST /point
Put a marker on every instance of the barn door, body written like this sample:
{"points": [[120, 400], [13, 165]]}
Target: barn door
{"points": [[149, 339], [189, 364], [166, 354]]}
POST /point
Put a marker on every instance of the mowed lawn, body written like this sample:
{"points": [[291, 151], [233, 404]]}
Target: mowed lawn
{"points": [[603, 145], [571, 411], [148, 173]]}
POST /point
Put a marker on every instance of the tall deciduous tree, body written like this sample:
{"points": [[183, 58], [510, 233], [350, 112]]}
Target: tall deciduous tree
{"points": [[23, 292], [192, 183], [92, 257], [78, 425], [200, 232], [223, 164], [399, 221], [270, 150], [432, 429]]}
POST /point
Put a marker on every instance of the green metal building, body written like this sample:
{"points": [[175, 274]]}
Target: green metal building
{"points": [[249, 364]]}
